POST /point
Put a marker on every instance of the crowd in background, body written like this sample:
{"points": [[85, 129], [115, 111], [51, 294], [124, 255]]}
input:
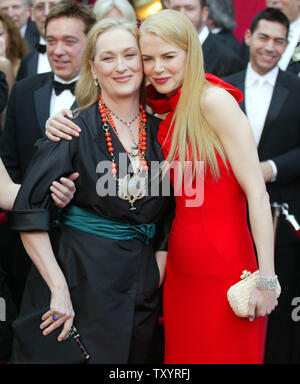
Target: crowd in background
{"points": [[264, 65]]}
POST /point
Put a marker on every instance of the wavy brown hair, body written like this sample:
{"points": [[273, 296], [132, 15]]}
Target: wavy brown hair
{"points": [[17, 46]]}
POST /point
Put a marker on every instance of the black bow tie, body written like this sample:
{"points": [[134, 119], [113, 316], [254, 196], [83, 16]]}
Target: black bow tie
{"points": [[60, 87], [41, 48]]}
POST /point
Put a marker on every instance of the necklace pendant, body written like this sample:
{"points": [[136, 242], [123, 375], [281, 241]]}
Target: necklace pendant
{"points": [[132, 188], [134, 149]]}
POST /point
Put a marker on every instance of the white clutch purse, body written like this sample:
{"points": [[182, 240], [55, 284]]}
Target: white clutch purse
{"points": [[238, 295]]}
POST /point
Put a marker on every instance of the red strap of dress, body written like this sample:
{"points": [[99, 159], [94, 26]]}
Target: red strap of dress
{"points": [[235, 92]]}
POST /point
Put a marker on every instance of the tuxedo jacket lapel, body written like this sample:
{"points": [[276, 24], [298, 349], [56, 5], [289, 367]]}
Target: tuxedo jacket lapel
{"points": [[239, 82], [74, 106], [32, 35], [279, 96], [206, 46], [32, 63], [241, 86], [42, 97], [210, 54]]}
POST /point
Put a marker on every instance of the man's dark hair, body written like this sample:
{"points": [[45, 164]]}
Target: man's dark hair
{"points": [[69, 8], [270, 14]]}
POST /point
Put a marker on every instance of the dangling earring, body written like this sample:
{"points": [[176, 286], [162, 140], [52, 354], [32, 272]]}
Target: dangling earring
{"points": [[96, 83]]}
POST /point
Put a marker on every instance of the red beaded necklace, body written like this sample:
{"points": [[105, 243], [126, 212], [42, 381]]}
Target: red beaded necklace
{"points": [[108, 122]]}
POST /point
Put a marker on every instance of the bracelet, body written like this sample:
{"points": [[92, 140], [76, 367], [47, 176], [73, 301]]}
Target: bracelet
{"points": [[265, 283]]}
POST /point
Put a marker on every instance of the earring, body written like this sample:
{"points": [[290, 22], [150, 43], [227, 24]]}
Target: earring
{"points": [[96, 83]]}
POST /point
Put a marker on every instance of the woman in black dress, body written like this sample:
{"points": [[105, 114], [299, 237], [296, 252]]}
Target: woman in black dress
{"points": [[104, 273]]}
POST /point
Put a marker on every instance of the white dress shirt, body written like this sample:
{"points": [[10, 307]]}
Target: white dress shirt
{"points": [[23, 30], [43, 62], [203, 34], [258, 94], [215, 31], [293, 37], [64, 100]]}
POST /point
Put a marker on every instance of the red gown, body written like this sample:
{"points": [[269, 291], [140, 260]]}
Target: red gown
{"points": [[209, 247]]}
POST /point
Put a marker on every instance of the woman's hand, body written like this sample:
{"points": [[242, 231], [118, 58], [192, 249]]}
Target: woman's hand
{"points": [[39, 249], [60, 126], [63, 191], [62, 309], [161, 259], [262, 303]]}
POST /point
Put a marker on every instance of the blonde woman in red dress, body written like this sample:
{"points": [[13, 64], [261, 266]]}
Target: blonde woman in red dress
{"points": [[210, 243]]}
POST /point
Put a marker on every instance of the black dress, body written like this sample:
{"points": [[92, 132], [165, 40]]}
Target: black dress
{"points": [[113, 283]]}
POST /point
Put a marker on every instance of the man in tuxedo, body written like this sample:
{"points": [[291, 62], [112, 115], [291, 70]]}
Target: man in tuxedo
{"points": [[34, 99], [221, 21], [19, 11], [289, 61], [36, 61], [272, 106], [219, 59], [291, 8]]}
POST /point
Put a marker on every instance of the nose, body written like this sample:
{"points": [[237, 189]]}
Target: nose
{"points": [[10, 12], [47, 8], [270, 45], [274, 3], [120, 64], [158, 66], [184, 11], [59, 49]]}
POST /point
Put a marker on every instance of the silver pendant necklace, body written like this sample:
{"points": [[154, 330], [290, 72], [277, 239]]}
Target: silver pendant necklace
{"points": [[132, 187], [134, 145]]}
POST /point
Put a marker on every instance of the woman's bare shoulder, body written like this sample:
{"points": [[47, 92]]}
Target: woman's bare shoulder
{"points": [[216, 97], [220, 109]]}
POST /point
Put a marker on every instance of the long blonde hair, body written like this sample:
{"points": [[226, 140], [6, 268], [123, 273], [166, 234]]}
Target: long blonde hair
{"points": [[86, 92], [190, 127]]}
